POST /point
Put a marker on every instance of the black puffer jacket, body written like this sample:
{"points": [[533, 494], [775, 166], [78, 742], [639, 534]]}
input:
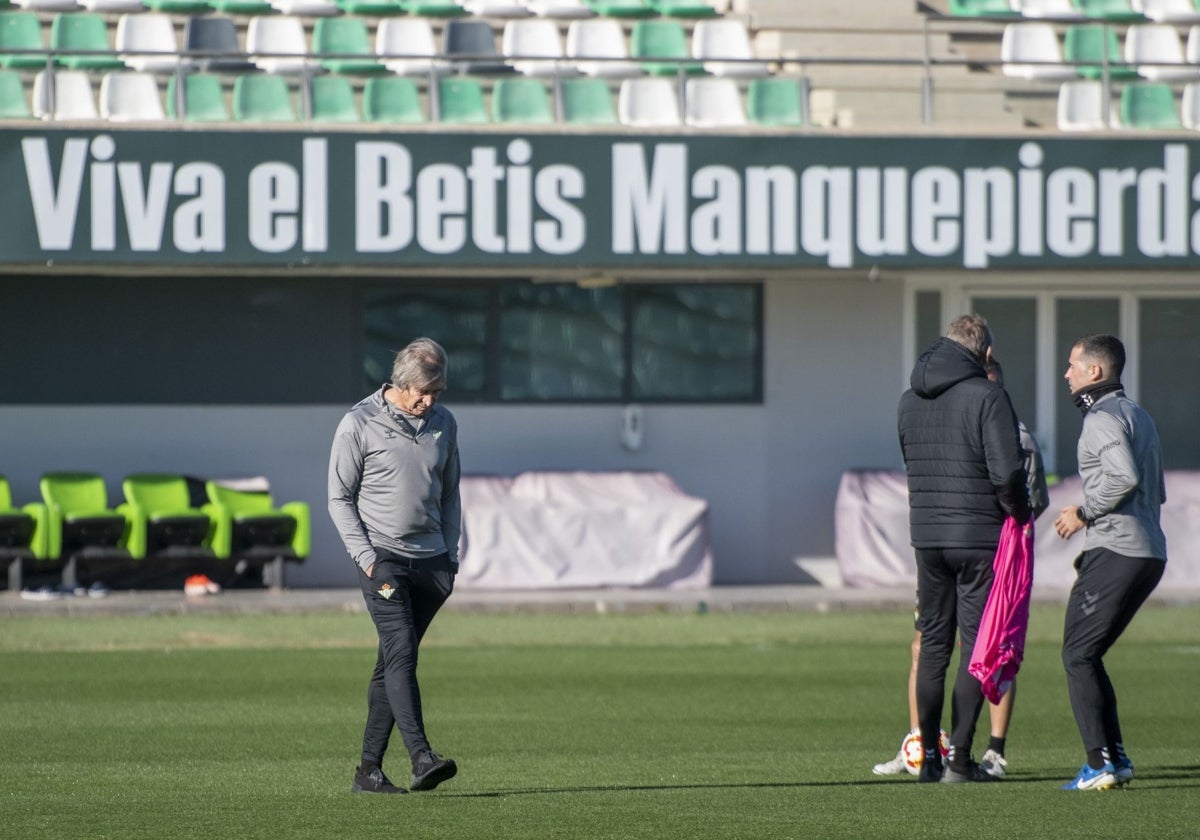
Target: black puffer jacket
{"points": [[958, 434]]}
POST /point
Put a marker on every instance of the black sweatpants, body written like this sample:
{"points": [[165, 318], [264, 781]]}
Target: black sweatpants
{"points": [[402, 597], [952, 588], [1107, 593]]}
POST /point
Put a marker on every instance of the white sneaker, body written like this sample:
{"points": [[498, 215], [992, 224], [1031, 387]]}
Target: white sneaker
{"points": [[890, 768], [994, 764]]}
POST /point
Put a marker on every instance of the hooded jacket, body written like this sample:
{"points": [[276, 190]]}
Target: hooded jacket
{"points": [[962, 454]]}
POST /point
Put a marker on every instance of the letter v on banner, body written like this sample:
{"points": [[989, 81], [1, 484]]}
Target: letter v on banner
{"points": [[54, 210]]}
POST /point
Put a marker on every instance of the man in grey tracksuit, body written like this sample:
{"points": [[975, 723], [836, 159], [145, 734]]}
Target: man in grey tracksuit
{"points": [[1124, 550], [394, 498]]}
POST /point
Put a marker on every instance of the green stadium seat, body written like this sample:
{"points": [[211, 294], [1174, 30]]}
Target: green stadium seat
{"points": [[1114, 10], [683, 8], [774, 101], [83, 31], [374, 8], [344, 36], [241, 7], [161, 517], [21, 31], [177, 7], [1149, 106], [662, 39], [22, 530], [982, 8], [248, 526], [521, 100], [13, 105], [203, 99], [1086, 45], [333, 100], [433, 8], [79, 519], [460, 101], [392, 99], [587, 102], [621, 8], [262, 98]]}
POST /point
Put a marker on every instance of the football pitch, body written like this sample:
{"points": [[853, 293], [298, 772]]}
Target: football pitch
{"points": [[666, 725]]}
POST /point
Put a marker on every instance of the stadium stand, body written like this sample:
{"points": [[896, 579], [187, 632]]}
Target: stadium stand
{"points": [[521, 100], [1168, 11], [1030, 50], [392, 100], [587, 102], [344, 46], [713, 103], [558, 8], [411, 38], [86, 35], [775, 103], [64, 95], [278, 45], [597, 48], [662, 48], [1081, 106], [460, 101], [648, 103], [264, 98], [1150, 106], [1156, 52], [533, 39], [212, 45], [1114, 10], [333, 100], [130, 97], [1095, 50], [147, 42], [470, 46], [202, 98], [724, 48]]}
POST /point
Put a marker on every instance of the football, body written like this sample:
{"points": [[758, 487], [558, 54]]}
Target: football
{"points": [[914, 756]]}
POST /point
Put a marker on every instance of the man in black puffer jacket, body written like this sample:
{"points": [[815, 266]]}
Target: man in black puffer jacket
{"points": [[962, 453]]}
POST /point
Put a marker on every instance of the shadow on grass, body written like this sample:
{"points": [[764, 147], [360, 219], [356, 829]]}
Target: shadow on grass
{"points": [[1148, 780]]}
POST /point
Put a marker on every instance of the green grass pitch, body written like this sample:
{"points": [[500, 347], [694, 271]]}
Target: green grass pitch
{"points": [[753, 725]]}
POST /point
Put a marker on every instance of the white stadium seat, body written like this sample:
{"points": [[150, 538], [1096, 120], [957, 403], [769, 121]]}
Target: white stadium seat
{"points": [[1030, 50], [598, 48], [130, 97], [1159, 44], [648, 103], [724, 47], [72, 95], [147, 42], [533, 39], [278, 45], [713, 103]]}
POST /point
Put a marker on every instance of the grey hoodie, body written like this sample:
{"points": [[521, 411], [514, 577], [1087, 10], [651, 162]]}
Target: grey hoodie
{"points": [[392, 491], [1120, 464]]}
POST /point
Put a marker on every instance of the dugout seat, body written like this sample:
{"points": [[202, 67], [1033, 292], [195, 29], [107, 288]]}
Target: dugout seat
{"points": [[85, 534], [249, 529], [162, 520], [22, 535]]}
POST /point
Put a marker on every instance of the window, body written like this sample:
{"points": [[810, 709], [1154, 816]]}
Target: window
{"points": [[1170, 349], [559, 342]]}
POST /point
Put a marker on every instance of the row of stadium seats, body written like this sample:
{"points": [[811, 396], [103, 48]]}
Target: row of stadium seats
{"points": [[424, 8], [458, 100], [1179, 11], [1142, 105], [163, 517], [1031, 50], [279, 44]]}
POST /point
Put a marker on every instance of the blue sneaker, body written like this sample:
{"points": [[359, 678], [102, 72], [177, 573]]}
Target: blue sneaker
{"points": [[1123, 771], [1090, 779]]}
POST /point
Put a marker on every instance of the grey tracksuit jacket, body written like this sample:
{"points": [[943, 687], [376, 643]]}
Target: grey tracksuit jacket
{"points": [[1120, 464], [391, 491]]}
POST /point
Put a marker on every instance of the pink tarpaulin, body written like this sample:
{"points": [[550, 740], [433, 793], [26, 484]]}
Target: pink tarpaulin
{"points": [[1000, 644], [547, 530]]}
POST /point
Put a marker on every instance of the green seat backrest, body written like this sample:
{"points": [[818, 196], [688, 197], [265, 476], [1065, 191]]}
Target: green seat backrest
{"points": [[774, 101], [21, 31], [370, 7], [1149, 105], [203, 100], [621, 8], [74, 492], [392, 99], [82, 31], [239, 502], [460, 100], [683, 8], [262, 98], [661, 39], [344, 36], [242, 7], [12, 96], [433, 8], [333, 100], [521, 101], [1088, 43], [982, 8], [1109, 9], [157, 492], [177, 7], [587, 102]]}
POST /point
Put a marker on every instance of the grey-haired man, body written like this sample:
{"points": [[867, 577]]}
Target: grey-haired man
{"points": [[394, 498]]}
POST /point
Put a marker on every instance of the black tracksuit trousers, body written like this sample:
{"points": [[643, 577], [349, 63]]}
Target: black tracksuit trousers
{"points": [[952, 589], [402, 597], [1106, 595]]}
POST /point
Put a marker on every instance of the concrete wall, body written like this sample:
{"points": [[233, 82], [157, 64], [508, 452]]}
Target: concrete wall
{"points": [[769, 472]]}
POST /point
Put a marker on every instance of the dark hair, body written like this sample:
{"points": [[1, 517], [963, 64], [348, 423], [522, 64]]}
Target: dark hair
{"points": [[994, 371], [1105, 349]]}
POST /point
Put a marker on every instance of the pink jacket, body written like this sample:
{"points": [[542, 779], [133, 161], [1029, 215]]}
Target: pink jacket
{"points": [[1000, 645]]}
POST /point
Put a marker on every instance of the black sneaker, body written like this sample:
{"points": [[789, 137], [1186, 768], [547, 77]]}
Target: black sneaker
{"points": [[373, 781], [430, 770], [931, 771], [971, 773]]}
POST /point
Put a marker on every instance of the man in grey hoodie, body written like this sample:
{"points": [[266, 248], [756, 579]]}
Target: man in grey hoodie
{"points": [[394, 498], [1124, 550]]}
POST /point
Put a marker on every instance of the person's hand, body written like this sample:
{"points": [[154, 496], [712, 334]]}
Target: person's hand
{"points": [[370, 570], [1068, 521]]}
